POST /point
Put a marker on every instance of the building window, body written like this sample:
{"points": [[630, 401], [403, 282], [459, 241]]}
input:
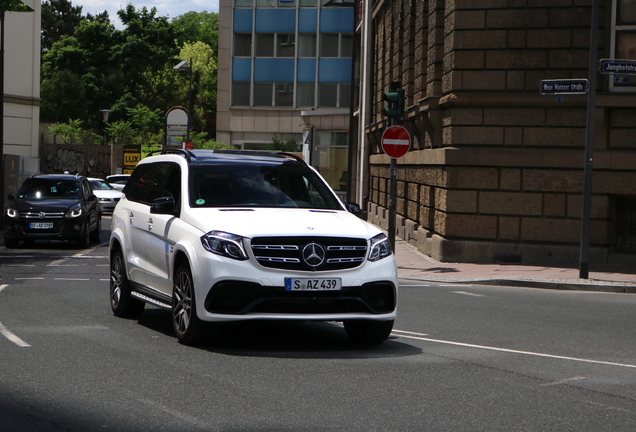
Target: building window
{"points": [[242, 45], [336, 45], [334, 95], [306, 94], [275, 3], [625, 225], [284, 96], [306, 45], [240, 93], [277, 54], [264, 44], [285, 44], [275, 44], [623, 42], [263, 95]]}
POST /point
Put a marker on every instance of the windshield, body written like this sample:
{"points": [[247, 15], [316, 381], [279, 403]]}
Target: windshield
{"points": [[259, 185], [49, 189], [100, 185]]}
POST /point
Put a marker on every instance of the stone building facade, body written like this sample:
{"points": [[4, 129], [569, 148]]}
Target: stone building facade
{"points": [[495, 170]]}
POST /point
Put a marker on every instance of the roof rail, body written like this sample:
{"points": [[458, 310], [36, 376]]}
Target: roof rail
{"points": [[293, 156], [187, 154]]}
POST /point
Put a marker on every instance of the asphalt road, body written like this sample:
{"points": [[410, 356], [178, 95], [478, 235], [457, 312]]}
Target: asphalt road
{"points": [[462, 358]]}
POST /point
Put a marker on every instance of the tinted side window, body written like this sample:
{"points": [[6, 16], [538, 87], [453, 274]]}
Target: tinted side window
{"points": [[136, 189], [151, 181], [86, 188]]}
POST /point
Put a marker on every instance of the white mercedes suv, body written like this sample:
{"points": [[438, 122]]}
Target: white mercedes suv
{"points": [[235, 235]]}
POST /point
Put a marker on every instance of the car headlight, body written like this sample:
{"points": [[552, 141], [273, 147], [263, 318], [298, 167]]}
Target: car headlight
{"points": [[73, 212], [225, 244], [380, 248], [13, 213]]}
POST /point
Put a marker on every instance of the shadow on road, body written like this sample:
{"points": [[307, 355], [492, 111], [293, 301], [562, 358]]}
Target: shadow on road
{"points": [[283, 339]]}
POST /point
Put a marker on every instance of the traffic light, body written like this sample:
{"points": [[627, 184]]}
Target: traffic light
{"points": [[395, 109]]}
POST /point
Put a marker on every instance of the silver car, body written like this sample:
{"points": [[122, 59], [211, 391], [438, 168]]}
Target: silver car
{"points": [[106, 194], [118, 181]]}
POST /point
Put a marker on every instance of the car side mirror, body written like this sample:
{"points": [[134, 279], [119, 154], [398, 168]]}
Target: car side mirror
{"points": [[356, 210], [10, 197], [164, 205], [91, 197]]}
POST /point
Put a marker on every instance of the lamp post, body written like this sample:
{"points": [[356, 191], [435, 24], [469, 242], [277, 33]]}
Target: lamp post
{"points": [[105, 114], [5, 6], [187, 66]]}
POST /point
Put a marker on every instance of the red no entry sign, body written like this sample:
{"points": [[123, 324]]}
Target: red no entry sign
{"points": [[396, 141]]}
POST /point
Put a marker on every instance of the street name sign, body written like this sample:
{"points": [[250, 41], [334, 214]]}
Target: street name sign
{"points": [[623, 67], [564, 86], [396, 141]]}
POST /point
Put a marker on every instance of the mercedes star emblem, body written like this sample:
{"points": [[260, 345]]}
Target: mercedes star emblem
{"points": [[314, 255]]}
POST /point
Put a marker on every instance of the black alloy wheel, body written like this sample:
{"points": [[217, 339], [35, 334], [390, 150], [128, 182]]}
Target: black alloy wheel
{"points": [[121, 302], [187, 325]]}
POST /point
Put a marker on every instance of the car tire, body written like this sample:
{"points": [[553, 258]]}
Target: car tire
{"points": [[11, 243], [96, 235], [121, 302], [368, 331], [187, 325]]}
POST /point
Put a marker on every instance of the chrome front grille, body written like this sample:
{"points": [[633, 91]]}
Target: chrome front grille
{"points": [[42, 215], [309, 253]]}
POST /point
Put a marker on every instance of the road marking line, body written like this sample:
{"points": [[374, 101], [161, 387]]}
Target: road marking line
{"points": [[563, 381], [506, 350], [19, 265], [70, 279], [468, 293], [29, 278], [10, 335]]}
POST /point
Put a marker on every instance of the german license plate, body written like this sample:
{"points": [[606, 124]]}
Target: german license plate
{"points": [[313, 284], [41, 225]]}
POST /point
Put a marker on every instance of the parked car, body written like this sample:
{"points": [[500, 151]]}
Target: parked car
{"points": [[118, 181], [53, 207], [219, 236], [107, 195]]}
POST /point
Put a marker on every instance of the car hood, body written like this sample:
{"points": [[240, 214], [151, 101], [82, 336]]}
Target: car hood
{"points": [[261, 222], [48, 205], [113, 194]]}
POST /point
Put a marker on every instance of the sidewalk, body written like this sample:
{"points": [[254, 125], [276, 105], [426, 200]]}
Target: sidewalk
{"points": [[414, 265]]}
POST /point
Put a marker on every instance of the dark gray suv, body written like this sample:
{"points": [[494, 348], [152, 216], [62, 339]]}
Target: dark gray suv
{"points": [[52, 207]]}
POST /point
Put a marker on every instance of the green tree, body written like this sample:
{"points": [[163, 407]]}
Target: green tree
{"points": [[198, 27], [69, 132], [201, 141], [120, 131], [146, 121], [146, 55], [56, 105], [83, 59], [203, 75], [287, 146], [59, 19]]}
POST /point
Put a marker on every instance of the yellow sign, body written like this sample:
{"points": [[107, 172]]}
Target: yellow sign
{"points": [[132, 156]]}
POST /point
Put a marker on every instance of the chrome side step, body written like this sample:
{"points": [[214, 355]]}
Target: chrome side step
{"points": [[152, 301]]}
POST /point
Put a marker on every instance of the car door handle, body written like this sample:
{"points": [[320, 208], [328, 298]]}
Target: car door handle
{"points": [[150, 224], [131, 218]]}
